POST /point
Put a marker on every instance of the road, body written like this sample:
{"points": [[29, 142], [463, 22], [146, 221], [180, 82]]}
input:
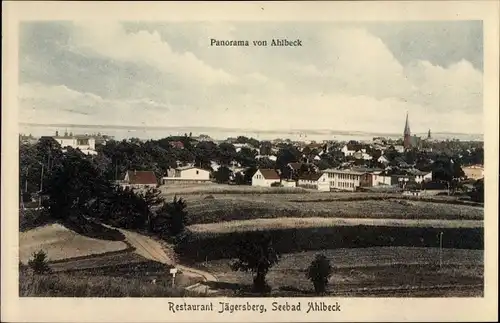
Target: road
{"points": [[144, 246]]}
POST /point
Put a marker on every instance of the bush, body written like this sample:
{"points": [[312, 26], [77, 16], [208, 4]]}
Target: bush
{"points": [[39, 263], [171, 218], [319, 272], [256, 255], [276, 184]]}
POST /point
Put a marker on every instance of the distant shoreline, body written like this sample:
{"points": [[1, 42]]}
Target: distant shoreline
{"points": [[127, 131]]}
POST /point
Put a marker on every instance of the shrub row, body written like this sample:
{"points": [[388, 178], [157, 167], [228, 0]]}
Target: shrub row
{"points": [[195, 247]]}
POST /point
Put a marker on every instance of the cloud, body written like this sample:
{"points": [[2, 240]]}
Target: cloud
{"points": [[109, 39], [344, 78]]}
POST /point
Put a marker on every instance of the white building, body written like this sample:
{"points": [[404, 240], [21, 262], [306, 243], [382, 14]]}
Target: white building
{"points": [[139, 179], [265, 178], [420, 176], [399, 148], [288, 183], [187, 174], [383, 160], [348, 150], [317, 181], [345, 180], [85, 143], [378, 178]]}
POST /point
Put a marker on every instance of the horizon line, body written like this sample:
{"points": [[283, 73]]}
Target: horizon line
{"points": [[208, 128]]}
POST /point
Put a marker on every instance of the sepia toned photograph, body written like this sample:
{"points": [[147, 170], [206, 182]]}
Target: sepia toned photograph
{"points": [[303, 162], [343, 172]]}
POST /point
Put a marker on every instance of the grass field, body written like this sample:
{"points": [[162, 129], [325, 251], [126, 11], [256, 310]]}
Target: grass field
{"points": [[367, 272], [95, 284], [213, 188], [240, 207], [61, 243], [317, 222]]}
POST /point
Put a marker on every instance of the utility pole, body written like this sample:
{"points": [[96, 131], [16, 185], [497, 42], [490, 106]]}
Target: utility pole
{"points": [[22, 201], [41, 188], [440, 249], [26, 181]]}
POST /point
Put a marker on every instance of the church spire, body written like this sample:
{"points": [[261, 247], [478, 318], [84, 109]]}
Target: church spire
{"points": [[407, 126], [407, 134], [429, 134]]}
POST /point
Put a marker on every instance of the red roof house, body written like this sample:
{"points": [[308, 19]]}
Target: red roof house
{"points": [[140, 178]]}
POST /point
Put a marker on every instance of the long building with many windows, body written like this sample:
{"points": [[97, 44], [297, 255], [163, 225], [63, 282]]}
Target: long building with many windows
{"points": [[345, 180]]}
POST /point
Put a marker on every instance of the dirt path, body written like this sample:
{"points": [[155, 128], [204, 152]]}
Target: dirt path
{"points": [[154, 250]]}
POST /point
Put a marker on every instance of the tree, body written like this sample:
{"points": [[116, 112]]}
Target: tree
{"points": [[72, 185], [249, 174], [477, 193], [256, 255], [226, 153], [152, 198], [223, 175], [246, 157], [447, 170], [319, 272], [266, 148], [39, 263], [171, 218]]}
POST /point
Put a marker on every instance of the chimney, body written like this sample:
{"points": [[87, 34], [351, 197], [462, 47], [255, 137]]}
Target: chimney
{"points": [[57, 133]]}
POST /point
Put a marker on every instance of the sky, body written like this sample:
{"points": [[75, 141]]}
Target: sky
{"points": [[344, 77]]}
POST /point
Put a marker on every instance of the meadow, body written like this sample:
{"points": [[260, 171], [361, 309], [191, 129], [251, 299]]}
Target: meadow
{"points": [[366, 272], [97, 284], [235, 207]]}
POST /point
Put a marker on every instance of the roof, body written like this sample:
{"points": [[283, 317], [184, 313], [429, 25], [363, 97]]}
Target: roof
{"points": [[311, 176], [354, 147], [189, 167], [141, 177], [295, 166], [342, 171], [417, 172], [366, 169], [269, 173]]}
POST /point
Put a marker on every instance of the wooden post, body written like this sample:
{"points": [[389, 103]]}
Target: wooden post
{"points": [[173, 271]]}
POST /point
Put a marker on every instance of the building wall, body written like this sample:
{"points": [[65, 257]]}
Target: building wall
{"points": [[347, 152], [381, 180], [193, 174], [288, 183], [259, 180], [427, 177], [76, 143], [344, 181], [178, 180]]}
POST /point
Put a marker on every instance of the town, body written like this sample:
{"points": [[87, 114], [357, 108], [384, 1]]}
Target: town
{"points": [[410, 165], [157, 217]]}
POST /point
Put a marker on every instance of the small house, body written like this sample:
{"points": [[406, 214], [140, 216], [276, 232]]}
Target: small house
{"points": [[317, 181], [265, 178], [139, 179]]}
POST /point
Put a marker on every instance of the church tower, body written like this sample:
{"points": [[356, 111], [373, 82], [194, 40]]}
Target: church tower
{"points": [[407, 134], [429, 135]]}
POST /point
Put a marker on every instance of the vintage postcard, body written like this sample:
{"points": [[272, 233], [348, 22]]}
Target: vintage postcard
{"points": [[250, 162]]}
